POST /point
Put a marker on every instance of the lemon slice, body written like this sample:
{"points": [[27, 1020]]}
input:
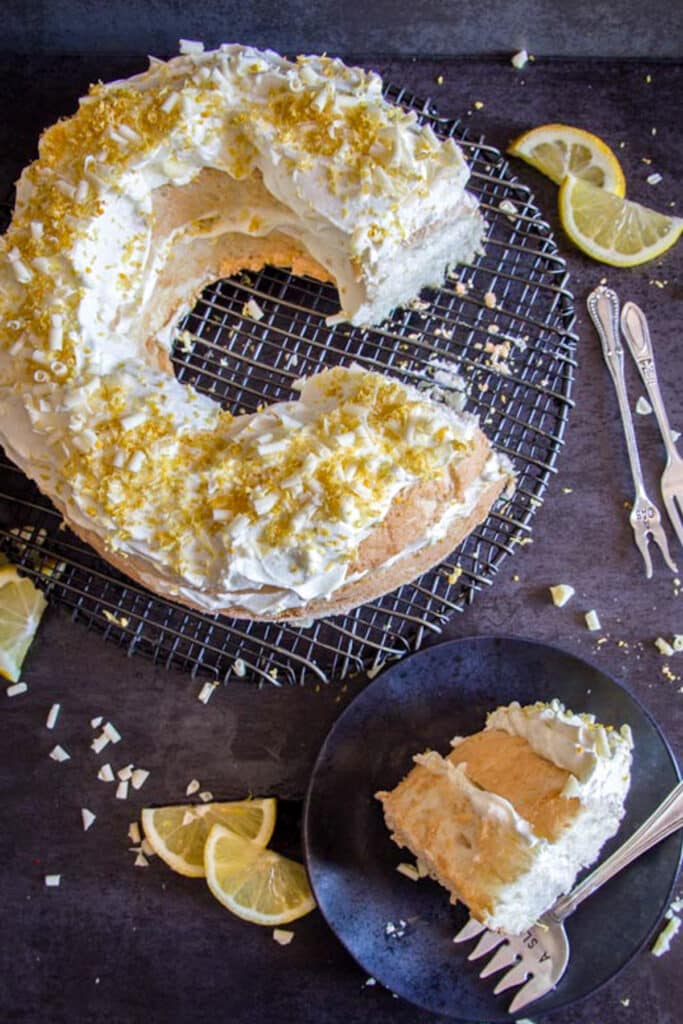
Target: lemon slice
{"points": [[178, 833], [21, 608], [557, 150], [256, 884], [614, 230]]}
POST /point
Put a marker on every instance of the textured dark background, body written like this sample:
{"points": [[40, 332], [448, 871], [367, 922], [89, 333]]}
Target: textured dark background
{"points": [[133, 946], [577, 28]]}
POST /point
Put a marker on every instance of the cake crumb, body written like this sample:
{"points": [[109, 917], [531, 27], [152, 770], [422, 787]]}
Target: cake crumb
{"points": [[520, 59], [52, 717], [252, 310], [664, 647], [282, 936], [375, 669], [184, 342], [87, 818], [121, 621], [16, 689], [507, 207], [206, 692], [409, 870], [561, 593], [643, 407], [663, 941], [139, 777], [592, 620], [490, 300], [106, 773]]}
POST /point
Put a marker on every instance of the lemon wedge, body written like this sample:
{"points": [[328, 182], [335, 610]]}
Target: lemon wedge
{"points": [[21, 608], [255, 884], [611, 229], [178, 833], [557, 150]]}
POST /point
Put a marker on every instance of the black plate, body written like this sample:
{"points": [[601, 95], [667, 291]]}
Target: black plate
{"points": [[422, 702]]}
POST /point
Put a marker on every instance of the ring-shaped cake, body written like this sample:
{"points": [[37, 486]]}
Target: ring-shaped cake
{"points": [[161, 184]]}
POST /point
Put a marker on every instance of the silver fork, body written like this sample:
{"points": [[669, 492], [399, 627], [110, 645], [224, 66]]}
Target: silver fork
{"points": [[540, 956], [603, 307], [635, 330]]}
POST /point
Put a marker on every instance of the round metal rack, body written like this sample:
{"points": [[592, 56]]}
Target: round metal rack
{"points": [[506, 321]]}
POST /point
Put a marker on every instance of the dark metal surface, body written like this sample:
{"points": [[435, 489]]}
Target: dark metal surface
{"points": [[242, 362], [604, 28], [143, 946]]}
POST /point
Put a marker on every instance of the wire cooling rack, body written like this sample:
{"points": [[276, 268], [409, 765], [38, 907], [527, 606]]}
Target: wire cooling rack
{"points": [[506, 321]]}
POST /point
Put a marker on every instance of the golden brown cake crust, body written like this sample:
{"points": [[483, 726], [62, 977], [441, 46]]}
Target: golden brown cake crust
{"points": [[471, 856], [506, 765]]}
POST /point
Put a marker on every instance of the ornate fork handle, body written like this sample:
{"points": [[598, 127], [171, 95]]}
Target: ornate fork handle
{"points": [[637, 334], [666, 819], [603, 306]]}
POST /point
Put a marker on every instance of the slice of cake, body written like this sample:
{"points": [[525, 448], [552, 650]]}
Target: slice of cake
{"points": [[507, 820]]}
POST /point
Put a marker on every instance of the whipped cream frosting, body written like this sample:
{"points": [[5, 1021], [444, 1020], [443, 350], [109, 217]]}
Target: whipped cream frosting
{"points": [[311, 150], [593, 753]]}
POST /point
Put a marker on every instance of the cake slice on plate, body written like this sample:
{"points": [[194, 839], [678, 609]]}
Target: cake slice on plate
{"points": [[507, 820]]}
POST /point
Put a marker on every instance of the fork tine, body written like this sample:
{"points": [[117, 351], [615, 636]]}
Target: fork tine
{"points": [[504, 956], [487, 943], [660, 540], [470, 931], [535, 987], [514, 977], [673, 513], [642, 545]]}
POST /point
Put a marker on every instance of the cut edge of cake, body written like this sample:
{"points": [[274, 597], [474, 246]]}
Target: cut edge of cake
{"points": [[474, 841]]}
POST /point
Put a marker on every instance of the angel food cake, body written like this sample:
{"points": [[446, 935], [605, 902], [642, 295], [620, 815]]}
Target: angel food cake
{"points": [[167, 181], [507, 820]]}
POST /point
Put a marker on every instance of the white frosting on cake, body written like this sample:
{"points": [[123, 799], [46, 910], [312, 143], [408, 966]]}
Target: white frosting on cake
{"points": [[577, 743], [86, 405], [599, 759]]}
